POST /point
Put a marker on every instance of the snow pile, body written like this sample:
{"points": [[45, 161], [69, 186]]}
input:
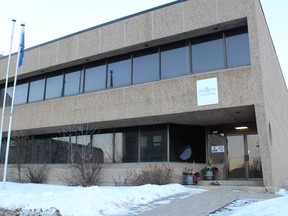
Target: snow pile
{"points": [[90, 200], [271, 207], [251, 207], [282, 192]]}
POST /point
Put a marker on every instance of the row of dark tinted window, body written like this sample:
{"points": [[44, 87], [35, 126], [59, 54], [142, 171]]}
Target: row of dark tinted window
{"points": [[152, 143], [207, 53]]}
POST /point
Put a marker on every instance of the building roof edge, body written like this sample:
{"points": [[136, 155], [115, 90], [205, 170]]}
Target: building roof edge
{"points": [[101, 25]]}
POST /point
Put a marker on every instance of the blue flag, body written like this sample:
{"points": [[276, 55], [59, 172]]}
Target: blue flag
{"points": [[22, 45]]}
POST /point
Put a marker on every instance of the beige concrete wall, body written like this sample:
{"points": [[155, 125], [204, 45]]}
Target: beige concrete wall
{"points": [[236, 88], [272, 114], [181, 18], [110, 174]]}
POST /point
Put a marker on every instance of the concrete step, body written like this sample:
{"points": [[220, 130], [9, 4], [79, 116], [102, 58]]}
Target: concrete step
{"points": [[252, 183]]}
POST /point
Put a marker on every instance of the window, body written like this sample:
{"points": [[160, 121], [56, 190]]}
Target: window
{"points": [[81, 149], [183, 136], [21, 149], [146, 66], [103, 144], [174, 60], [217, 51], [9, 96], [54, 87], [208, 55], [72, 83], [237, 48], [95, 78], [2, 97], [36, 90], [21, 93], [60, 149], [118, 147], [130, 145], [119, 72], [41, 150], [153, 143]]}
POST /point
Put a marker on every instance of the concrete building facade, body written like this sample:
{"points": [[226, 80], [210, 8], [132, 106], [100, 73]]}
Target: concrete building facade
{"points": [[189, 76]]}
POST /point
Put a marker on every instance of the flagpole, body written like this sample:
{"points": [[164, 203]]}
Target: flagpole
{"points": [[6, 85], [19, 63]]}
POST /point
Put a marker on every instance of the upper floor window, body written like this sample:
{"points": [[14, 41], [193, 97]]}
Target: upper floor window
{"points": [[237, 48], [95, 77], [73, 83], [119, 72], [217, 51], [54, 87], [146, 66], [20, 93], [175, 60], [36, 90], [208, 54]]}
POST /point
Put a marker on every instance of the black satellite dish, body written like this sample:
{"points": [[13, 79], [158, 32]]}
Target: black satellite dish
{"points": [[185, 153]]}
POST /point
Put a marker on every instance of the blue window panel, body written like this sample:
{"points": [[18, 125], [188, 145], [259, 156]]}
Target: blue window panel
{"points": [[208, 56]]}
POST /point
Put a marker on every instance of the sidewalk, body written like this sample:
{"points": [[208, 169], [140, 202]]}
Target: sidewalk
{"points": [[207, 202]]}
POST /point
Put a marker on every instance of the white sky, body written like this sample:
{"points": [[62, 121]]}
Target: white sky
{"points": [[48, 20]]}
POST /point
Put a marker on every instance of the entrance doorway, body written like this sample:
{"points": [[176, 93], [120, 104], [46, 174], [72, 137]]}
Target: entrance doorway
{"points": [[243, 156]]}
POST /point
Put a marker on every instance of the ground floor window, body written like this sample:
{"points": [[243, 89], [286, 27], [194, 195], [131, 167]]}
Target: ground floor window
{"points": [[152, 143], [183, 137]]}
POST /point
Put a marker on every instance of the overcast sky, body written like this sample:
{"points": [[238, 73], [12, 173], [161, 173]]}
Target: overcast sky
{"points": [[48, 20]]}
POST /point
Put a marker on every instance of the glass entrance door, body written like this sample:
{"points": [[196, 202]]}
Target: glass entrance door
{"points": [[254, 166], [235, 154], [243, 156]]}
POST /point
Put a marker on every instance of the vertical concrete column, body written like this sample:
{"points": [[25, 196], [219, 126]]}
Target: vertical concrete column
{"points": [[265, 148]]}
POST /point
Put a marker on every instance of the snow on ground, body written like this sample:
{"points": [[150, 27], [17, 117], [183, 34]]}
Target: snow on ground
{"points": [[251, 207], [118, 201], [90, 200]]}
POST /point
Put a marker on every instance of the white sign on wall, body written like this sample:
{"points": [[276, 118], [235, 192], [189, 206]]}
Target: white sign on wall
{"points": [[217, 149], [207, 91]]}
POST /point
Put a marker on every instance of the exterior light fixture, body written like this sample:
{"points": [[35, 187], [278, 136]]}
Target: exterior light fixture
{"points": [[241, 128]]}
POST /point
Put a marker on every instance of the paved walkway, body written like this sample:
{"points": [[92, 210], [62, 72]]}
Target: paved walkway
{"points": [[207, 202]]}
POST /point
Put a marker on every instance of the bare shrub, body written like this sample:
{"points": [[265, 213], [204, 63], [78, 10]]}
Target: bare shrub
{"points": [[84, 159], [156, 174], [126, 178], [20, 151], [84, 171], [82, 174], [37, 174]]}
